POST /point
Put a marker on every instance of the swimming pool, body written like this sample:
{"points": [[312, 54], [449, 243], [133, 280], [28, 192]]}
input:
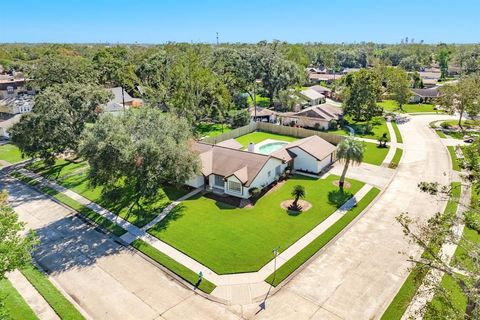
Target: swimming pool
{"points": [[271, 147]]}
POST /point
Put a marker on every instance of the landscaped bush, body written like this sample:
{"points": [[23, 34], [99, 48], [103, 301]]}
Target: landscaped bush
{"points": [[255, 192], [332, 124], [444, 125], [472, 220]]}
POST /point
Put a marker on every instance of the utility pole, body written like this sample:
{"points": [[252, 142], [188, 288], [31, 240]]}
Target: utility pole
{"points": [[217, 38]]}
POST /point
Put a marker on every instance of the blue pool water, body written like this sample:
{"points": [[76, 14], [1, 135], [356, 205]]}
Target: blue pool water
{"points": [[271, 147]]}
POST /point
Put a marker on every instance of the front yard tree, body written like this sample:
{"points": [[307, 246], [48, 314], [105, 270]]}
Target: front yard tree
{"points": [[142, 151], [361, 91], [15, 248], [398, 85], [349, 151], [57, 120], [298, 192], [462, 97]]}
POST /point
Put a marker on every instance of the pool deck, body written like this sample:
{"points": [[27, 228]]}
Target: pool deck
{"points": [[268, 141]]}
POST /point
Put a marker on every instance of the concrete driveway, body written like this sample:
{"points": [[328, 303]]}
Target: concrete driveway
{"points": [[107, 280], [354, 278]]}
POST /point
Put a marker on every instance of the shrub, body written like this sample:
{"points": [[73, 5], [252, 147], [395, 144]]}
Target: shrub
{"points": [[472, 220], [317, 126], [368, 128], [254, 192], [332, 124], [444, 125], [240, 118]]}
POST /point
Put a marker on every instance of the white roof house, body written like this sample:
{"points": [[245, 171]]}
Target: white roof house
{"points": [[312, 96]]}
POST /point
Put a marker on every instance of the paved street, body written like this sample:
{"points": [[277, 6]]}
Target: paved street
{"points": [[354, 278]]}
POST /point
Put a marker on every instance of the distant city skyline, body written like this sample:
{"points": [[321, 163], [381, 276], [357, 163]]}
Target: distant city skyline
{"points": [[248, 21]]}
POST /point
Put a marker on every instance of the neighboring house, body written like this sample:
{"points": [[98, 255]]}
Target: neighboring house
{"points": [[424, 95], [234, 172], [262, 114], [430, 78], [328, 78], [15, 81], [312, 96], [319, 70], [7, 124], [327, 92], [349, 70], [116, 104], [317, 116], [14, 101]]}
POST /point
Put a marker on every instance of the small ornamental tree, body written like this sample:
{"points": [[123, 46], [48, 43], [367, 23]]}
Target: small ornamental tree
{"points": [[298, 192]]}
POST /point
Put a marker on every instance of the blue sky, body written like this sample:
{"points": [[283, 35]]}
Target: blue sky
{"points": [[149, 21]]}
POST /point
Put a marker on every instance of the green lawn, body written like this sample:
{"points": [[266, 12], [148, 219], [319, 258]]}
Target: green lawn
{"points": [[440, 134], [391, 105], [404, 296], [211, 129], [396, 158], [373, 154], [379, 127], [453, 156], [10, 153], [74, 176], [258, 136], [232, 240], [261, 101], [177, 268], [13, 303], [398, 135], [300, 258], [50, 293]]}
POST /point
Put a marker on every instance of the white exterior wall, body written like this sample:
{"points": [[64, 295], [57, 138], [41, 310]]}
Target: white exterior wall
{"points": [[304, 161], [324, 163], [415, 99], [262, 179], [195, 182]]}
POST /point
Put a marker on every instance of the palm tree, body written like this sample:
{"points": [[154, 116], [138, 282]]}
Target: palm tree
{"points": [[298, 192], [349, 151]]}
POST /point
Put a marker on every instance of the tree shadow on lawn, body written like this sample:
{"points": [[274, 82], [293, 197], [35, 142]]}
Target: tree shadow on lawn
{"points": [[339, 197], [174, 214]]}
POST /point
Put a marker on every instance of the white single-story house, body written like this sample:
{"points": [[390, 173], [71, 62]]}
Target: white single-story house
{"points": [[424, 95], [313, 97], [226, 169], [327, 92]]}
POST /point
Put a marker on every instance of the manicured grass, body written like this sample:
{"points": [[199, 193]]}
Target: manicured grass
{"points": [[13, 303], [231, 240], [398, 135], [261, 101], [373, 154], [404, 296], [10, 153], [453, 156], [258, 136], [396, 158], [50, 293], [74, 176], [177, 268], [456, 135], [468, 123], [391, 105], [211, 129], [379, 127], [440, 134], [300, 258], [83, 210]]}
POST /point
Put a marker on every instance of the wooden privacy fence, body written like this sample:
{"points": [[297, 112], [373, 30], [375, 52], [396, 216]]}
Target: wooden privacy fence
{"points": [[274, 128]]}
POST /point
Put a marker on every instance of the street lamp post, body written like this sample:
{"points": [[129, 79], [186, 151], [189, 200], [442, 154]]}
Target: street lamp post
{"points": [[275, 254]]}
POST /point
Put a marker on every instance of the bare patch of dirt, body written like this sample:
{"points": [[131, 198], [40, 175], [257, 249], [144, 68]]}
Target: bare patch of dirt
{"points": [[346, 185], [302, 204]]}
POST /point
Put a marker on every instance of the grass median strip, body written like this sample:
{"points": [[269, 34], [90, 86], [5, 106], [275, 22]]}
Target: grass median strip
{"points": [[453, 156], [83, 210], [50, 293], [407, 292], [13, 303], [398, 135], [177, 268], [300, 258], [396, 158]]}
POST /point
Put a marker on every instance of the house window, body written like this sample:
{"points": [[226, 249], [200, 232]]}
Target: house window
{"points": [[219, 181], [269, 173], [234, 186]]}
